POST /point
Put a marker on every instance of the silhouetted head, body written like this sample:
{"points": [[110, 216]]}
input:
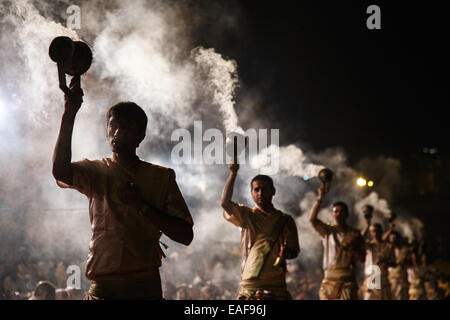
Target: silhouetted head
{"points": [[376, 231], [394, 237], [340, 213], [44, 290], [126, 124], [182, 293], [61, 294], [74, 293], [262, 190]]}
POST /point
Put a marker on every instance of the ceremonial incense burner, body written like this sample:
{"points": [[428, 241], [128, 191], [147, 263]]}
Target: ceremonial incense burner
{"points": [[72, 57], [392, 217], [326, 176], [234, 144], [367, 210]]}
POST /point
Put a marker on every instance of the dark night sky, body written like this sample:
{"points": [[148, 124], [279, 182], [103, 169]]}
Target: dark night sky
{"points": [[336, 83]]}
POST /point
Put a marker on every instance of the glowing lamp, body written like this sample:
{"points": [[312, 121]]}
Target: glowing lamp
{"points": [[361, 182]]}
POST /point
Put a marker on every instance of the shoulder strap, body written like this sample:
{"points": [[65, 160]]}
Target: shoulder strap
{"points": [[336, 240], [261, 248]]}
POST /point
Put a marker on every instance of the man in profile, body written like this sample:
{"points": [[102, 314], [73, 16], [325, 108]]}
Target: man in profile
{"points": [[268, 238], [131, 203], [343, 249]]}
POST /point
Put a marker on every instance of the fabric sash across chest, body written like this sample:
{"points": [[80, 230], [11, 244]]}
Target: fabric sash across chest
{"points": [[263, 245], [151, 182]]}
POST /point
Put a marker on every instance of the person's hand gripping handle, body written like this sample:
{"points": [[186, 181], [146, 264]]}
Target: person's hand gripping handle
{"points": [[74, 98], [234, 167]]}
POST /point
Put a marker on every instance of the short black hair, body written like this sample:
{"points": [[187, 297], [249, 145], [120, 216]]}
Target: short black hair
{"points": [[342, 204], [378, 227], [129, 111], [264, 178], [45, 288], [395, 233]]}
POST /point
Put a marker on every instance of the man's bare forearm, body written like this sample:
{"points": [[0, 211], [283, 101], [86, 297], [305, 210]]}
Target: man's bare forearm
{"points": [[62, 155], [227, 192], [315, 211], [366, 228], [317, 224]]}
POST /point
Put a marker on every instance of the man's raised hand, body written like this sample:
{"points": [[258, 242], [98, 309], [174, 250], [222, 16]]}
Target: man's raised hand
{"points": [[321, 192], [74, 99], [234, 167]]}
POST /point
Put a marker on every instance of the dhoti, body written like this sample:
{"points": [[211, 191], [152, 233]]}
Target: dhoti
{"points": [[148, 288], [338, 284], [399, 288], [265, 289], [417, 290], [384, 293]]}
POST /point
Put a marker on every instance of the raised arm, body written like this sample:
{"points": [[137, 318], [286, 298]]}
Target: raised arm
{"points": [[366, 228], [389, 231], [229, 206], [317, 224], [62, 154]]}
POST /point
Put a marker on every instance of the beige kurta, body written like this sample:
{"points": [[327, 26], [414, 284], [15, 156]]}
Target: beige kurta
{"points": [[124, 251], [254, 224], [342, 251], [381, 255], [398, 276], [416, 280]]}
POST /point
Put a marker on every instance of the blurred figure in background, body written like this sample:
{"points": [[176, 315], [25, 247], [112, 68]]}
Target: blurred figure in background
{"points": [[378, 254], [169, 290], [398, 275], [343, 248], [44, 290], [74, 293], [210, 292], [431, 283], [417, 272], [182, 292], [61, 294]]}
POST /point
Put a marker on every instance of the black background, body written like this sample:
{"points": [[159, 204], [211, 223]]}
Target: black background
{"points": [[330, 81]]}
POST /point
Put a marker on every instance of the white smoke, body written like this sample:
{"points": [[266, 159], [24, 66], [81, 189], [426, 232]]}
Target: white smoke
{"points": [[292, 161], [141, 53], [223, 81]]}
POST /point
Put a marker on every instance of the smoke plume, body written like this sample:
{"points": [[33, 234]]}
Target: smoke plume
{"points": [[143, 53]]}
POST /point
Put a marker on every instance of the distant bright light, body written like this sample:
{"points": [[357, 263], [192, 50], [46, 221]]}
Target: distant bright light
{"points": [[361, 182], [305, 177], [430, 150], [370, 183]]}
